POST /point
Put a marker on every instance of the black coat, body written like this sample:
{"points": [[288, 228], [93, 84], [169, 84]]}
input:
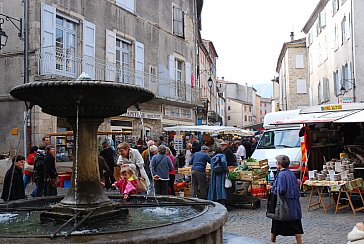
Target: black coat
{"points": [[108, 154], [50, 166], [230, 157], [17, 187]]}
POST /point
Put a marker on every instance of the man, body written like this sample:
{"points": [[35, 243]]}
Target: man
{"points": [[38, 172], [230, 156], [161, 165], [13, 188], [241, 152], [108, 154], [46, 141], [146, 151], [248, 147], [199, 160]]}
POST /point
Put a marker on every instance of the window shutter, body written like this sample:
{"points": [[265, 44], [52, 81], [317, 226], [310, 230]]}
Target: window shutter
{"points": [[88, 62], [326, 89], [347, 26], [188, 82], [171, 67], [299, 61], [120, 2], [139, 64], [48, 40], [339, 79], [110, 68], [301, 86], [129, 5]]}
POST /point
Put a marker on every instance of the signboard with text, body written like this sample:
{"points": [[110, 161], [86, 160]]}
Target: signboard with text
{"points": [[346, 100]]}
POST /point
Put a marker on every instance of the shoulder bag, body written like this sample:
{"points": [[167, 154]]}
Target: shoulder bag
{"points": [[218, 169], [141, 182], [277, 208]]}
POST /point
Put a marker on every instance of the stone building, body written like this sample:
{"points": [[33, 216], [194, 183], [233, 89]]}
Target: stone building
{"points": [[292, 79], [152, 44], [335, 48]]}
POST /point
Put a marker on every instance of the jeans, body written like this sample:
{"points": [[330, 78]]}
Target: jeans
{"points": [[27, 179]]}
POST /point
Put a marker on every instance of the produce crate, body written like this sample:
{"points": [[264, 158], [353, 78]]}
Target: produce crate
{"points": [[185, 171], [259, 163], [250, 175]]}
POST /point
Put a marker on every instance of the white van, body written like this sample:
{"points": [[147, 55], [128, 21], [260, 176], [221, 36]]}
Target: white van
{"points": [[280, 140]]}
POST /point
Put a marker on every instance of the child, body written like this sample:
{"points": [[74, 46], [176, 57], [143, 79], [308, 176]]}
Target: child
{"points": [[128, 182]]}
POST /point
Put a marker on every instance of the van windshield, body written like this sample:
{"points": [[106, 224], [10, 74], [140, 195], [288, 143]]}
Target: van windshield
{"points": [[279, 139]]}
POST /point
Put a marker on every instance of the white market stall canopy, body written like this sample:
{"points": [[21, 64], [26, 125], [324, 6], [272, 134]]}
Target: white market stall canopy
{"points": [[211, 129]]}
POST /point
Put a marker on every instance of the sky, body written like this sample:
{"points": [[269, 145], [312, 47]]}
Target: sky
{"points": [[248, 36]]}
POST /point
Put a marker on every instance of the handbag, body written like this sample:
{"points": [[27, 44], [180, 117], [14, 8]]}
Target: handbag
{"points": [[54, 182], [277, 208], [141, 185]]}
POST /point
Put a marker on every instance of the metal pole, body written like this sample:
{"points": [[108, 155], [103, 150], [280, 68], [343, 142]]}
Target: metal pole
{"points": [[26, 75]]}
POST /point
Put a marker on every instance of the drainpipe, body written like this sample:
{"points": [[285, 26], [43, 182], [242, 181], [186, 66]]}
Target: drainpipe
{"points": [[352, 49], [26, 74]]}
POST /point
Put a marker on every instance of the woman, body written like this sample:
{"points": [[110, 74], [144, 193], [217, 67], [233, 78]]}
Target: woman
{"points": [[160, 166], [153, 150], [13, 188], [286, 185], [217, 191], [132, 158], [50, 188], [172, 172]]}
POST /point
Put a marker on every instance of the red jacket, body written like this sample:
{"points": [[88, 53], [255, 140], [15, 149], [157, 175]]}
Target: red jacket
{"points": [[30, 161]]}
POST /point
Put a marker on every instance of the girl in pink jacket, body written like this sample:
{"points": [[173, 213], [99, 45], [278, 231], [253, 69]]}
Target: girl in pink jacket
{"points": [[128, 182]]}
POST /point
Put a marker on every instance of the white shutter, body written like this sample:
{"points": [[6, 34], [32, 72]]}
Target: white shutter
{"points": [[188, 82], [326, 89], [299, 61], [88, 62], [301, 86], [120, 2], [48, 41], [339, 80], [129, 5], [139, 64], [110, 68], [171, 67], [347, 27]]}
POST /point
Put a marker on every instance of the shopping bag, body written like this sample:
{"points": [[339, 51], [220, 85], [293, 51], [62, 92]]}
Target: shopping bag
{"points": [[54, 182], [281, 210], [28, 167], [142, 185], [228, 183]]}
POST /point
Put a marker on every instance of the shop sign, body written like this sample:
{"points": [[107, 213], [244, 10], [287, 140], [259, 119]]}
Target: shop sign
{"points": [[346, 100], [145, 115], [332, 107]]}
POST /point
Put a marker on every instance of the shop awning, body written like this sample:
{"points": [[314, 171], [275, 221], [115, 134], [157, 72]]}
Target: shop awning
{"points": [[211, 129], [323, 117], [353, 118]]}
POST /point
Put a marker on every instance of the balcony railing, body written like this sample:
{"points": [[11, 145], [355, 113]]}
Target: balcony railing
{"points": [[65, 65]]}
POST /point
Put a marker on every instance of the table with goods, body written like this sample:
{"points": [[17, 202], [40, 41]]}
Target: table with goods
{"points": [[338, 179]]}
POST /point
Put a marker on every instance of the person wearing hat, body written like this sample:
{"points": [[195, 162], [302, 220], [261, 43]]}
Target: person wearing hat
{"points": [[199, 161], [230, 156]]}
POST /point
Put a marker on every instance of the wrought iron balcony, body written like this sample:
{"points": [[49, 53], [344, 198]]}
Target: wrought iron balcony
{"points": [[61, 64], [214, 117]]}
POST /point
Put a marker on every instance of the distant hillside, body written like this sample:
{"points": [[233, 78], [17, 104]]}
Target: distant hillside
{"points": [[264, 90]]}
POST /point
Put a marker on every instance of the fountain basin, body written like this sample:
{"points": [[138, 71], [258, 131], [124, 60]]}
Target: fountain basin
{"points": [[187, 224]]}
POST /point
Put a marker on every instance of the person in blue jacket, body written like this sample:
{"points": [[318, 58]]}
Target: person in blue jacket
{"points": [[217, 190], [199, 160], [286, 185]]}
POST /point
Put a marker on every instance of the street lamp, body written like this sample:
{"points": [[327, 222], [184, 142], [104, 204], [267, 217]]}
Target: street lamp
{"points": [[3, 35], [210, 83], [343, 90]]}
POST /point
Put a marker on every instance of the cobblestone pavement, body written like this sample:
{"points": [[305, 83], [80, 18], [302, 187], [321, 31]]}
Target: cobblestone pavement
{"points": [[318, 226]]}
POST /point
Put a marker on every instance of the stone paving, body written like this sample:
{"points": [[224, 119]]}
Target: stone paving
{"points": [[318, 226], [249, 226]]}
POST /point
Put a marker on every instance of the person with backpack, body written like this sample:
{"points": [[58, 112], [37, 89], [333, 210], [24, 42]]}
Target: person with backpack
{"points": [[217, 190], [38, 172]]}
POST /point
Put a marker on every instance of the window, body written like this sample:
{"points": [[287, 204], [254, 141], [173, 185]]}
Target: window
{"points": [[299, 61], [179, 77], [335, 6], [127, 4], [343, 30], [229, 118], [123, 60], [250, 119], [245, 109], [178, 21], [245, 118], [326, 89], [337, 82], [229, 108], [250, 109], [153, 74], [66, 39], [301, 86]]}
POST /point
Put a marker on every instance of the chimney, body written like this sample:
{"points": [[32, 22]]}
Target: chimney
{"points": [[292, 36]]}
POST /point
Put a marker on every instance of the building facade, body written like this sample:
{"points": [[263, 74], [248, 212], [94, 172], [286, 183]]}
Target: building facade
{"points": [[292, 76], [151, 44], [335, 46]]}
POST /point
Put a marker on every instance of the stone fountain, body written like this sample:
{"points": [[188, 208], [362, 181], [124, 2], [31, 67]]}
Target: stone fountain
{"points": [[85, 104]]}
